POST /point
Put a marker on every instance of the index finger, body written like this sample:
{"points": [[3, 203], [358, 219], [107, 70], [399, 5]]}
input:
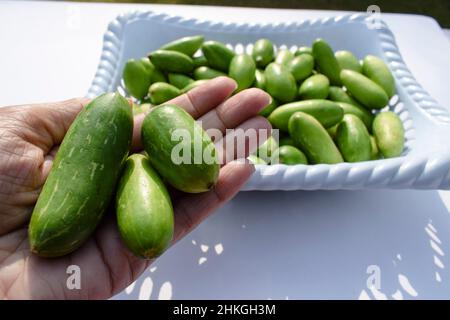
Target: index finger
{"points": [[201, 99], [196, 102]]}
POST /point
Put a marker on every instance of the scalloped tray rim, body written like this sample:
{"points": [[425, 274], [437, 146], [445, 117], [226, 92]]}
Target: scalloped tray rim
{"points": [[406, 172]]}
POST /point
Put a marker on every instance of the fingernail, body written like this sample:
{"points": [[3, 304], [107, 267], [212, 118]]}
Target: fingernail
{"points": [[235, 85], [247, 162], [266, 104], [252, 166]]}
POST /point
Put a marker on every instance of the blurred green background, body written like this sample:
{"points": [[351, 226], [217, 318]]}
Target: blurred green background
{"points": [[439, 9]]}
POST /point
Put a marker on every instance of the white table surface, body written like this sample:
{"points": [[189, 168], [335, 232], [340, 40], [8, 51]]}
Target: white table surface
{"points": [[262, 245]]}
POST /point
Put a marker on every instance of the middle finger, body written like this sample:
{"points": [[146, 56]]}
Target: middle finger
{"points": [[236, 110]]}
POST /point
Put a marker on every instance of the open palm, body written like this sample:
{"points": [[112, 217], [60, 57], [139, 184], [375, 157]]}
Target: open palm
{"points": [[29, 138]]}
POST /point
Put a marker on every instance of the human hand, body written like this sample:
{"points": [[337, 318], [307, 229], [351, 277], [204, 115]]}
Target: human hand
{"points": [[29, 139]]}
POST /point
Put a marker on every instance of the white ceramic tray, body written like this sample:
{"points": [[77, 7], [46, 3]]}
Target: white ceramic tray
{"points": [[425, 163]]}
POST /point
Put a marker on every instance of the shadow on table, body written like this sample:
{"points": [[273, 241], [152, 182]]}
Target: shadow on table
{"points": [[324, 244]]}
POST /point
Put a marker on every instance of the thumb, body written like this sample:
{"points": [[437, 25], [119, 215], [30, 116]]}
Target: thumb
{"points": [[49, 122]]}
